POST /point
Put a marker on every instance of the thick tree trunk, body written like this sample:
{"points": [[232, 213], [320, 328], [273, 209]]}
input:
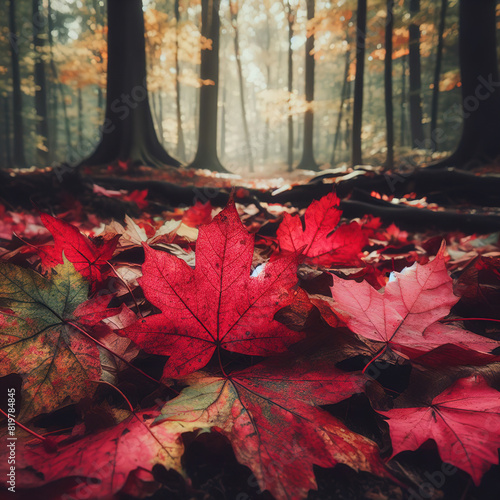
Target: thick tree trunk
{"points": [[42, 121], [128, 133], [308, 162], [389, 107], [206, 154], [480, 141], [181, 147], [17, 100], [417, 130], [437, 75], [357, 156], [236, 40], [343, 96]]}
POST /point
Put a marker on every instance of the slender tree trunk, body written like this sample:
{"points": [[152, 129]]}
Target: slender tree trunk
{"points": [[403, 102], [223, 123], [52, 91], [17, 100], [291, 22], [98, 22], [128, 132], [236, 39], [206, 154], [42, 121], [160, 117], [389, 107], [343, 95], [308, 162], [437, 75], [357, 119], [6, 121], [417, 130], [268, 85], [80, 120], [480, 140], [59, 85], [181, 147]]}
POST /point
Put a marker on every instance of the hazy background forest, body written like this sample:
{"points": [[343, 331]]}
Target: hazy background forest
{"points": [[261, 89]]}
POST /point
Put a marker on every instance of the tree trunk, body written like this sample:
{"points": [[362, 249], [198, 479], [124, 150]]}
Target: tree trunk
{"points": [[357, 119], [181, 147], [343, 96], [480, 141], [236, 40], [223, 123], [80, 119], [417, 130], [42, 121], [58, 84], [308, 162], [402, 139], [17, 100], [6, 121], [206, 154], [389, 107], [291, 21], [128, 132], [437, 75]]}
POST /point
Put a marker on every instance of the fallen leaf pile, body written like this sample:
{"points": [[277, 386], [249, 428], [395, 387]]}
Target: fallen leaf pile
{"points": [[147, 334]]}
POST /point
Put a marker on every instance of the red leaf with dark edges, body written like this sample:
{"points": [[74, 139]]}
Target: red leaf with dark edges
{"points": [[464, 421], [316, 240], [217, 304], [89, 256]]}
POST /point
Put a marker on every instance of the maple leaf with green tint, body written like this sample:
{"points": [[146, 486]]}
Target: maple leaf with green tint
{"points": [[55, 360], [269, 413]]}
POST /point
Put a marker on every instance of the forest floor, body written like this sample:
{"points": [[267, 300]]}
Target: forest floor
{"points": [[403, 216]]}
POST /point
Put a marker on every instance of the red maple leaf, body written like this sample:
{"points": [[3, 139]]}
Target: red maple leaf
{"points": [[217, 304], [138, 197], [464, 421], [89, 256], [108, 461], [269, 413], [405, 315], [320, 239], [198, 214]]}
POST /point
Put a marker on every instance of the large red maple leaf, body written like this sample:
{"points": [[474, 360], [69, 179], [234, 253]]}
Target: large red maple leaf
{"points": [[321, 240], [464, 421], [88, 256], [269, 413], [405, 315], [217, 304]]}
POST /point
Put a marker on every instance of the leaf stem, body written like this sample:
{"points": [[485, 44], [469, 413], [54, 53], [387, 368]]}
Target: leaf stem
{"points": [[33, 433], [120, 392], [81, 330], [127, 286], [375, 358], [470, 319]]}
